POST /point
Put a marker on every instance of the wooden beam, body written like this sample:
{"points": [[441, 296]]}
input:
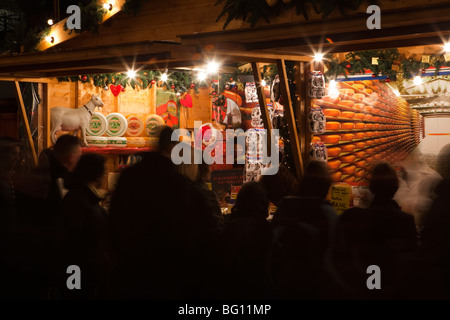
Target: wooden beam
{"points": [[290, 117], [46, 110], [263, 106], [34, 80], [25, 121]]}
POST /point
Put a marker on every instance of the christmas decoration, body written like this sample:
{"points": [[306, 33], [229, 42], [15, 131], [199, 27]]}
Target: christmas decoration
{"points": [[388, 79], [172, 87], [192, 85], [84, 78], [115, 90], [374, 75], [187, 101], [105, 88], [153, 81]]}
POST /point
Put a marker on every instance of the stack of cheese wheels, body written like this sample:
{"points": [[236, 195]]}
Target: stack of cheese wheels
{"points": [[151, 142], [152, 124], [136, 126], [117, 142], [97, 125], [95, 141], [117, 125], [136, 142]]}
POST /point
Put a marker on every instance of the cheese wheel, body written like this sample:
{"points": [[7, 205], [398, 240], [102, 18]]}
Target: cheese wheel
{"points": [[117, 142], [350, 83], [349, 179], [316, 139], [377, 149], [329, 99], [378, 156], [347, 114], [368, 108], [360, 145], [331, 139], [367, 82], [333, 152], [359, 96], [94, 141], [152, 123], [360, 164], [346, 103], [348, 147], [348, 169], [333, 125], [369, 125], [360, 125], [359, 116], [331, 112], [333, 164], [369, 91], [360, 154], [336, 176], [370, 142], [370, 151], [360, 135], [376, 118], [369, 134], [376, 125], [359, 87], [347, 126], [151, 142], [97, 124], [117, 125], [368, 117], [136, 126], [359, 174], [347, 136], [369, 159], [348, 92], [347, 159], [135, 142]]}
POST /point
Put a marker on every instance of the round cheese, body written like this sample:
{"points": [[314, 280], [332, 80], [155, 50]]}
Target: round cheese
{"points": [[117, 142], [97, 125], [117, 125], [135, 142], [95, 141], [136, 126], [151, 142], [152, 123]]}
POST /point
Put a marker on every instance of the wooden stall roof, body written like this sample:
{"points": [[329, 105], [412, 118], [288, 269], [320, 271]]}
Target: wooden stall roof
{"points": [[185, 33]]}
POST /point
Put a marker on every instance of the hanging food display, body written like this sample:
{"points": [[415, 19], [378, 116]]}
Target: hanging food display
{"points": [[317, 120], [319, 152], [316, 85]]}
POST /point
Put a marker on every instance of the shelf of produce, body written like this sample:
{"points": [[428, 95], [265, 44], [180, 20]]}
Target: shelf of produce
{"points": [[117, 151], [340, 143]]}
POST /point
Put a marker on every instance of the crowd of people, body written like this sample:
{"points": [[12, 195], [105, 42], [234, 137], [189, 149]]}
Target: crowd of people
{"points": [[164, 236]]}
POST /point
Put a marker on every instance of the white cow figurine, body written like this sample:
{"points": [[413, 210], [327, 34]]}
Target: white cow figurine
{"points": [[65, 119]]}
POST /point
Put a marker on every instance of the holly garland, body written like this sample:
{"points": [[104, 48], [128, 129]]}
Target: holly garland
{"points": [[388, 65], [252, 11]]}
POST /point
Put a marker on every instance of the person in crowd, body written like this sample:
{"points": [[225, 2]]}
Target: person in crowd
{"points": [[83, 238], [435, 238], [280, 185], [153, 212], [416, 187], [303, 229], [243, 256], [380, 235]]}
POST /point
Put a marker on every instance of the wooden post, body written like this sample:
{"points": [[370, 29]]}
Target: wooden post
{"points": [[47, 141], [263, 106], [25, 121], [290, 117]]}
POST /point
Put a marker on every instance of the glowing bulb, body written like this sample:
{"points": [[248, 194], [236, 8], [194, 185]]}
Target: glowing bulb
{"points": [[201, 76], [108, 6], [447, 47], [396, 92], [332, 90], [318, 56], [50, 39], [164, 77], [212, 67], [50, 22], [263, 83], [417, 80], [131, 74]]}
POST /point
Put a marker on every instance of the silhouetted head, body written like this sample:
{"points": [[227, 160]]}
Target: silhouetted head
{"points": [[90, 169], [384, 181], [68, 151], [316, 180], [251, 201], [443, 162], [165, 140], [9, 153]]}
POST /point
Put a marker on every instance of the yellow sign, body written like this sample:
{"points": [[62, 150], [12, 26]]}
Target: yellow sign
{"points": [[340, 197]]}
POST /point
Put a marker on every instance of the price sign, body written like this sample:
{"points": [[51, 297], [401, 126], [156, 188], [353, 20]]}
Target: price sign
{"points": [[340, 197]]}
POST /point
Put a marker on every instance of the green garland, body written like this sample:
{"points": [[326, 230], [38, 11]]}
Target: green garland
{"points": [[359, 62], [252, 11]]}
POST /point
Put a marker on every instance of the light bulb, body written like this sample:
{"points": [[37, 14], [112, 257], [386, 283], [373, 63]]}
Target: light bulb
{"points": [[201, 76], [263, 83], [50, 39], [108, 6], [333, 90], [212, 67], [447, 47], [131, 74], [164, 77], [396, 92], [50, 22], [417, 80], [318, 56]]}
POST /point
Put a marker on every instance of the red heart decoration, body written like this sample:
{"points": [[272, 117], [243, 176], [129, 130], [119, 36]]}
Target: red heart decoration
{"points": [[115, 90], [187, 101]]}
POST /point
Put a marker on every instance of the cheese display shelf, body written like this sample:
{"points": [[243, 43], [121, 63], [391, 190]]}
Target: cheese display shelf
{"points": [[365, 123], [116, 151]]}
